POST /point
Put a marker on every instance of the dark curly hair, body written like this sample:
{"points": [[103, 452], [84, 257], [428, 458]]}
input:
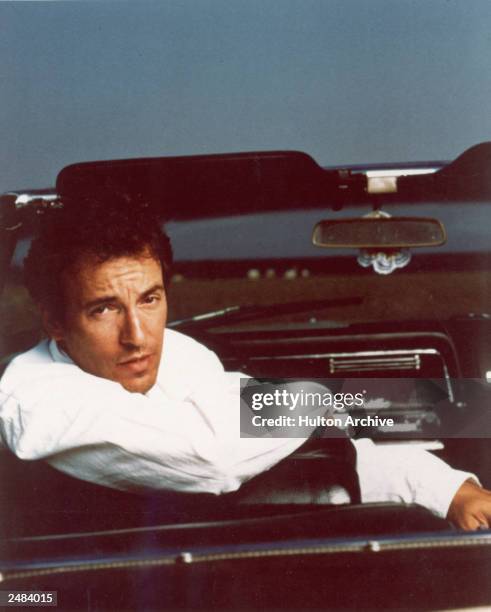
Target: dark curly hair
{"points": [[115, 227]]}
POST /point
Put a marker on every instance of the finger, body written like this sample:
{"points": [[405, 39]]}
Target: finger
{"points": [[483, 520], [469, 523]]}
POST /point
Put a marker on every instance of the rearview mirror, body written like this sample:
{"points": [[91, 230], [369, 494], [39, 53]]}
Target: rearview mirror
{"points": [[379, 233]]}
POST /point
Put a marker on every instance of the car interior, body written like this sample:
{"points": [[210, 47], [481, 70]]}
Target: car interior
{"points": [[337, 318]]}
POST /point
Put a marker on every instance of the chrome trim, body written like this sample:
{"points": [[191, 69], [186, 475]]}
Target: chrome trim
{"points": [[429, 445], [25, 199], [451, 396], [359, 353], [304, 548], [427, 351], [33, 199], [349, 364], [214, 314], [12, 228], [396, 172]]}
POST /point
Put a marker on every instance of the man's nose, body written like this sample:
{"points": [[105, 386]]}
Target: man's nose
{"points": [[132, 332]]}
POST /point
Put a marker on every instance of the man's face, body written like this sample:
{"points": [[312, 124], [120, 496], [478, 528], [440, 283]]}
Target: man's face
{"points": [[115, 316]]}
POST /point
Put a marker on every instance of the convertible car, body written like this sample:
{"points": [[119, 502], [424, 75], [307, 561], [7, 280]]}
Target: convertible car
{"points": [[288, 270]]}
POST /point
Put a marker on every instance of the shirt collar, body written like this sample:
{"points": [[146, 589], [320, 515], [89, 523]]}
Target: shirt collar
{"points": [[57, 353]]}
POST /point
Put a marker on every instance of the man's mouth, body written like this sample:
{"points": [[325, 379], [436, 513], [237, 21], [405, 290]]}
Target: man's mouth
{"points": [[136, 364]]}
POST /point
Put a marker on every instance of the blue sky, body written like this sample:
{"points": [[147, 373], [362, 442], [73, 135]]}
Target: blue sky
{"points": [[348, 81]]}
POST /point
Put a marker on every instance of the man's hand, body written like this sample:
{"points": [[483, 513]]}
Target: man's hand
{"points": [[471, 507]]}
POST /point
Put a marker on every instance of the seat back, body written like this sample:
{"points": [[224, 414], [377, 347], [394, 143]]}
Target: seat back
{"points": [[36, 499]]}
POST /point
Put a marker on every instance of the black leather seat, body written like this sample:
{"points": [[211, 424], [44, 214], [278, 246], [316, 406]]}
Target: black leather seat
{"points": [[36, 499], [321, 471]]}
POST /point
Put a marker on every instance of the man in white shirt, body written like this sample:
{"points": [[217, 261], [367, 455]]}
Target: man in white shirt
{"points": [[116, 399]]}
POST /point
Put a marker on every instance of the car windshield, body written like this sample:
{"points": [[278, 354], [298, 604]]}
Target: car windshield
{"points": [[265, 259], [256, 261]]}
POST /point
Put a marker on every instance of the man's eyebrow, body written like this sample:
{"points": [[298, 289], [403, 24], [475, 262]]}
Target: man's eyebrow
{"points": [[153, 289], [107, 299]]}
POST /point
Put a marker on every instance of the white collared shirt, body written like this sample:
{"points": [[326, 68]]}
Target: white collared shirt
{"points": [[184, 434]]}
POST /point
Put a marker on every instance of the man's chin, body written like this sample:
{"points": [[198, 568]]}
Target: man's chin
{"points": [[139, 384], [137, 376]]}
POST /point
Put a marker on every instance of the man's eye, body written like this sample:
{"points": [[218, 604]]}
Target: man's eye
{"points": [[101, 310], [151, 299]]}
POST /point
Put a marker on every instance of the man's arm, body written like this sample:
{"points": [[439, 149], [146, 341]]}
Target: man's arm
{"points": [[413, 475]]}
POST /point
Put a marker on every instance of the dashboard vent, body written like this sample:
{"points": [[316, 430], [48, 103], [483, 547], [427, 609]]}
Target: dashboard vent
{"points": [[358, 363]]}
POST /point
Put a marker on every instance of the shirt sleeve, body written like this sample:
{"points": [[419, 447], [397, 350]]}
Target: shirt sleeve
{"points": [[410, 475], [95, 430]]}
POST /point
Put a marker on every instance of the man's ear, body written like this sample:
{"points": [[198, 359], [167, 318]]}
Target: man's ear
{"points": [[52, 325]]}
